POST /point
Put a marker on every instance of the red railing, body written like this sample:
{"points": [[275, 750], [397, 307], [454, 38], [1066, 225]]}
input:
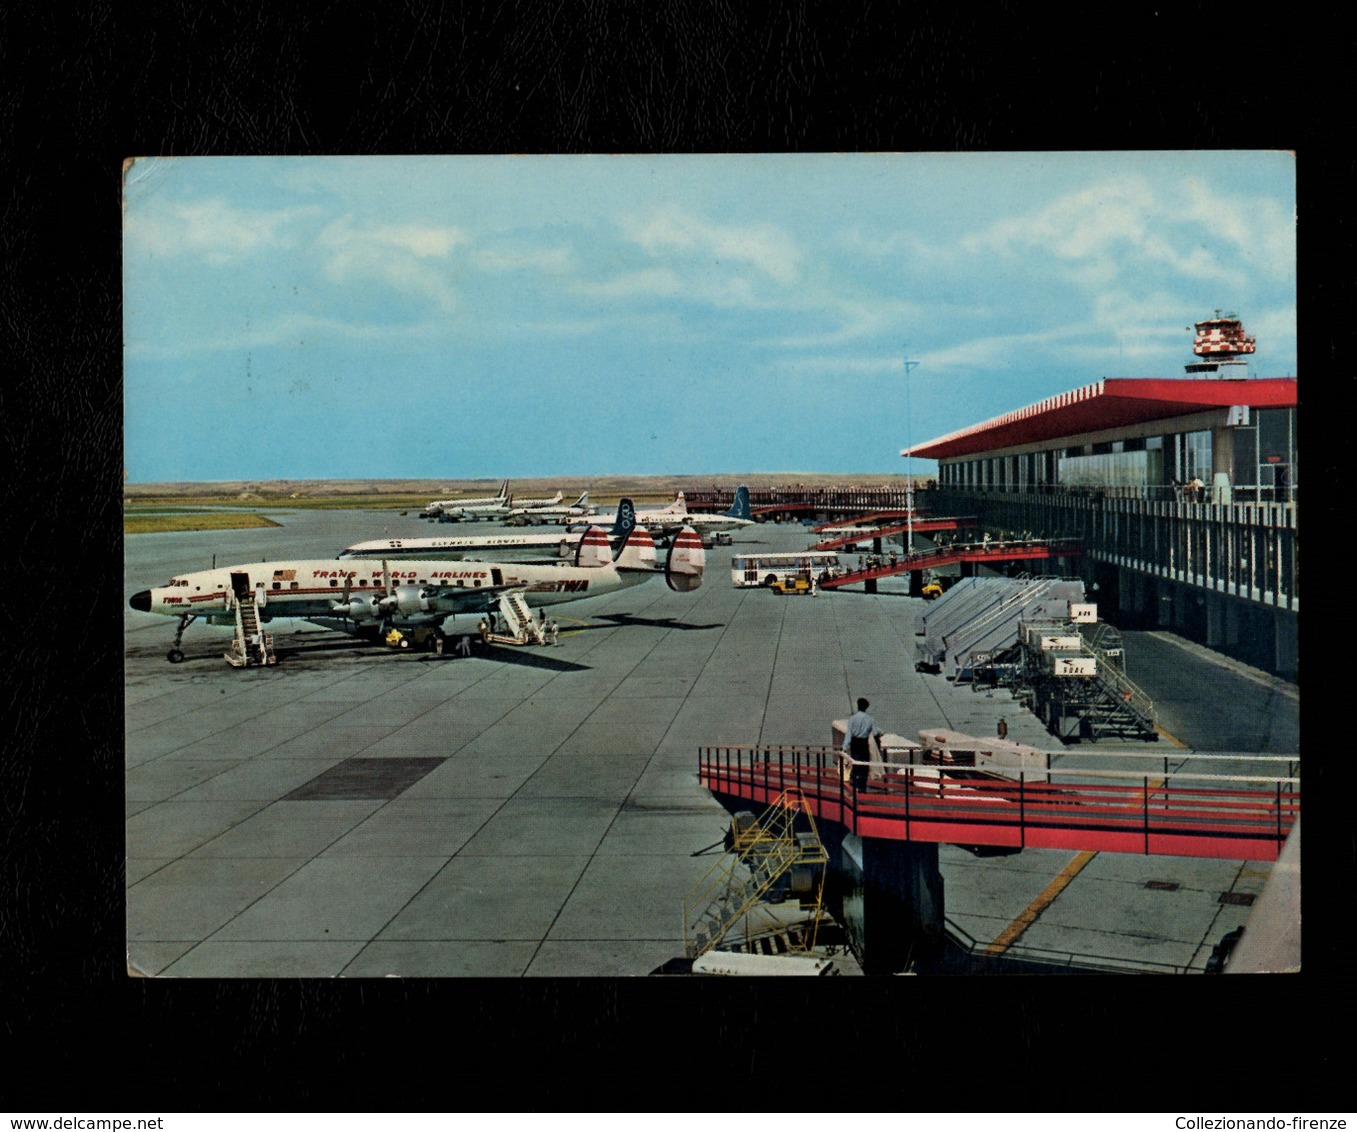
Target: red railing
{"points": [[972, 552], [1193, 815]]}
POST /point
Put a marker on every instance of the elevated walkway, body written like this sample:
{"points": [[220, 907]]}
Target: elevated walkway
{"points": [[968, 554], [1135, 805], [919, 526]]}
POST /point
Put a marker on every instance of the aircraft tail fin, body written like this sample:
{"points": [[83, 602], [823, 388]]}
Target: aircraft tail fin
{"points": [[626, 519], [594, 548], [740, 508], [637, 551], [685, 562], [678, 507], [582, 501]]}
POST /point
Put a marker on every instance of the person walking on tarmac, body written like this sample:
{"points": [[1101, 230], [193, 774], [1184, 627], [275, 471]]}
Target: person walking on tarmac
{"points": [[857, 743]]}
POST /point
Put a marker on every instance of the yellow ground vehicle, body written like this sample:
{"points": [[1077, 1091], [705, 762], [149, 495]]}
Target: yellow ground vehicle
{"points": [[932, 590], [797, 584]]}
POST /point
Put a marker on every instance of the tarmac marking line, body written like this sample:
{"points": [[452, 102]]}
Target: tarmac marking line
{"points": [[1005, 939], [1171, 738], [1028, 916]]}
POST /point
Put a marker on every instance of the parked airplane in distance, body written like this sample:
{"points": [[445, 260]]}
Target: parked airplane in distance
{"points": [[439, 507], [368, 597], [528, 503], [477, 546], [526, 515], [676, 516]]}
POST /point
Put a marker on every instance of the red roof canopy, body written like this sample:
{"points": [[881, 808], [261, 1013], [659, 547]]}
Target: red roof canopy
{"points": [[1115, 402]]}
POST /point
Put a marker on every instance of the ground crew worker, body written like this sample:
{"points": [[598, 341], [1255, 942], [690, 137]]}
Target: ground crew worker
{"points": [[857, 743]]}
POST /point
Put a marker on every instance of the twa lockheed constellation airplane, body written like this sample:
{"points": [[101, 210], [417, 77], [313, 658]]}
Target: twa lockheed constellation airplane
{"points": [[369, 597]]}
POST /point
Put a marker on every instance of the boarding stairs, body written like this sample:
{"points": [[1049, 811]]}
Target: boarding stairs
{"points": [[767, 861], [523, 628], [251, 646]]}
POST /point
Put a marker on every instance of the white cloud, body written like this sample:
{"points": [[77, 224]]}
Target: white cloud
{"points": [[295, 329], [844, 365], [552, 261], [398, 255], [652, 282], [212, 229], [1114, 229], [674, 234], [1000, 350]]}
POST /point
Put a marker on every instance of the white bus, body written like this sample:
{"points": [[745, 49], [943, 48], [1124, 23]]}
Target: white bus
{"points": [[765, 569]]}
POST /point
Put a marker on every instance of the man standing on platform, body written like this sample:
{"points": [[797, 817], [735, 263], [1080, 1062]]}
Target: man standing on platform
{"points": [[857, 743]]}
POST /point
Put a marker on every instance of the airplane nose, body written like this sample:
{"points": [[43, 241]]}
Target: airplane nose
{"points": [[141, 601]]}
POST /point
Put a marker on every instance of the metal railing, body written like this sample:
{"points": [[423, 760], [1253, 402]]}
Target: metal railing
{"points": [[926, 799]]}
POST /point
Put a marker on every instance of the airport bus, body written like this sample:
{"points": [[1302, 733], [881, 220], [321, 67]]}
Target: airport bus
{"points": [[765, 569]]}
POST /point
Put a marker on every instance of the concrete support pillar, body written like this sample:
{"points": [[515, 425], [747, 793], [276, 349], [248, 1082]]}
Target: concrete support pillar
{"points": [[869, 586], [1287, 661], [1234, 617], [916, 583], [1215, 620], [892, 902]]}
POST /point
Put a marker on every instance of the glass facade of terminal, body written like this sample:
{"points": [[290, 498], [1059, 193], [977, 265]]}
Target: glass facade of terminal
{"points": [[1259, 466]]}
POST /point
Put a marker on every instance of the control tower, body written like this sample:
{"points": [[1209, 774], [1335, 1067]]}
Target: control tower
{"points": [[1221, 343]]}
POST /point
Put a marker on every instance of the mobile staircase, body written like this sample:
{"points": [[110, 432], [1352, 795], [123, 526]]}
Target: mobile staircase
{"points": [[767, 860], [251, 645], [522, 628]]}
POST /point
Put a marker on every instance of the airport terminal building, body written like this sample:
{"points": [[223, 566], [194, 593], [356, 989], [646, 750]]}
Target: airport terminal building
{"points": [[1182, 490]]}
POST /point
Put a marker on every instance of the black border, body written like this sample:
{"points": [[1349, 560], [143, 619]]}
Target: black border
{"points": [[91, 84]]}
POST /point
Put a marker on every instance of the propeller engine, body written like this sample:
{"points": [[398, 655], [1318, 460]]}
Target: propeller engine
{"points": [[362, 608], [405, 601]]}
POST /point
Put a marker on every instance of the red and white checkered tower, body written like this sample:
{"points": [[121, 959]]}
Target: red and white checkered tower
{"points": [[1221, 342]]}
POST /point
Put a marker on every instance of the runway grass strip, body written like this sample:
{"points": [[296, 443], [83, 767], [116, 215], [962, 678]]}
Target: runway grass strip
{"points": [[218, 521]]}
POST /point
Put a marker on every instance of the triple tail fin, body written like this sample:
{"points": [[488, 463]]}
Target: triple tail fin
{"points": [[686, 560], [595, 549], [637, 551]]}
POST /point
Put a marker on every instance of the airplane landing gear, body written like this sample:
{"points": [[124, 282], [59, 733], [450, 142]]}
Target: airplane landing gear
{"points": [[175, 656]]}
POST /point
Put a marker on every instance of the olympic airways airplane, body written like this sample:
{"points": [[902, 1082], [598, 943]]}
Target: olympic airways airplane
{"points": [[368, 597], [674, 517]]}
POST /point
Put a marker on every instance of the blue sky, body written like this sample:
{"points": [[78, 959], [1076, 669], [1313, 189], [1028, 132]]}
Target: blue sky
{"points": [[468, 317]]}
